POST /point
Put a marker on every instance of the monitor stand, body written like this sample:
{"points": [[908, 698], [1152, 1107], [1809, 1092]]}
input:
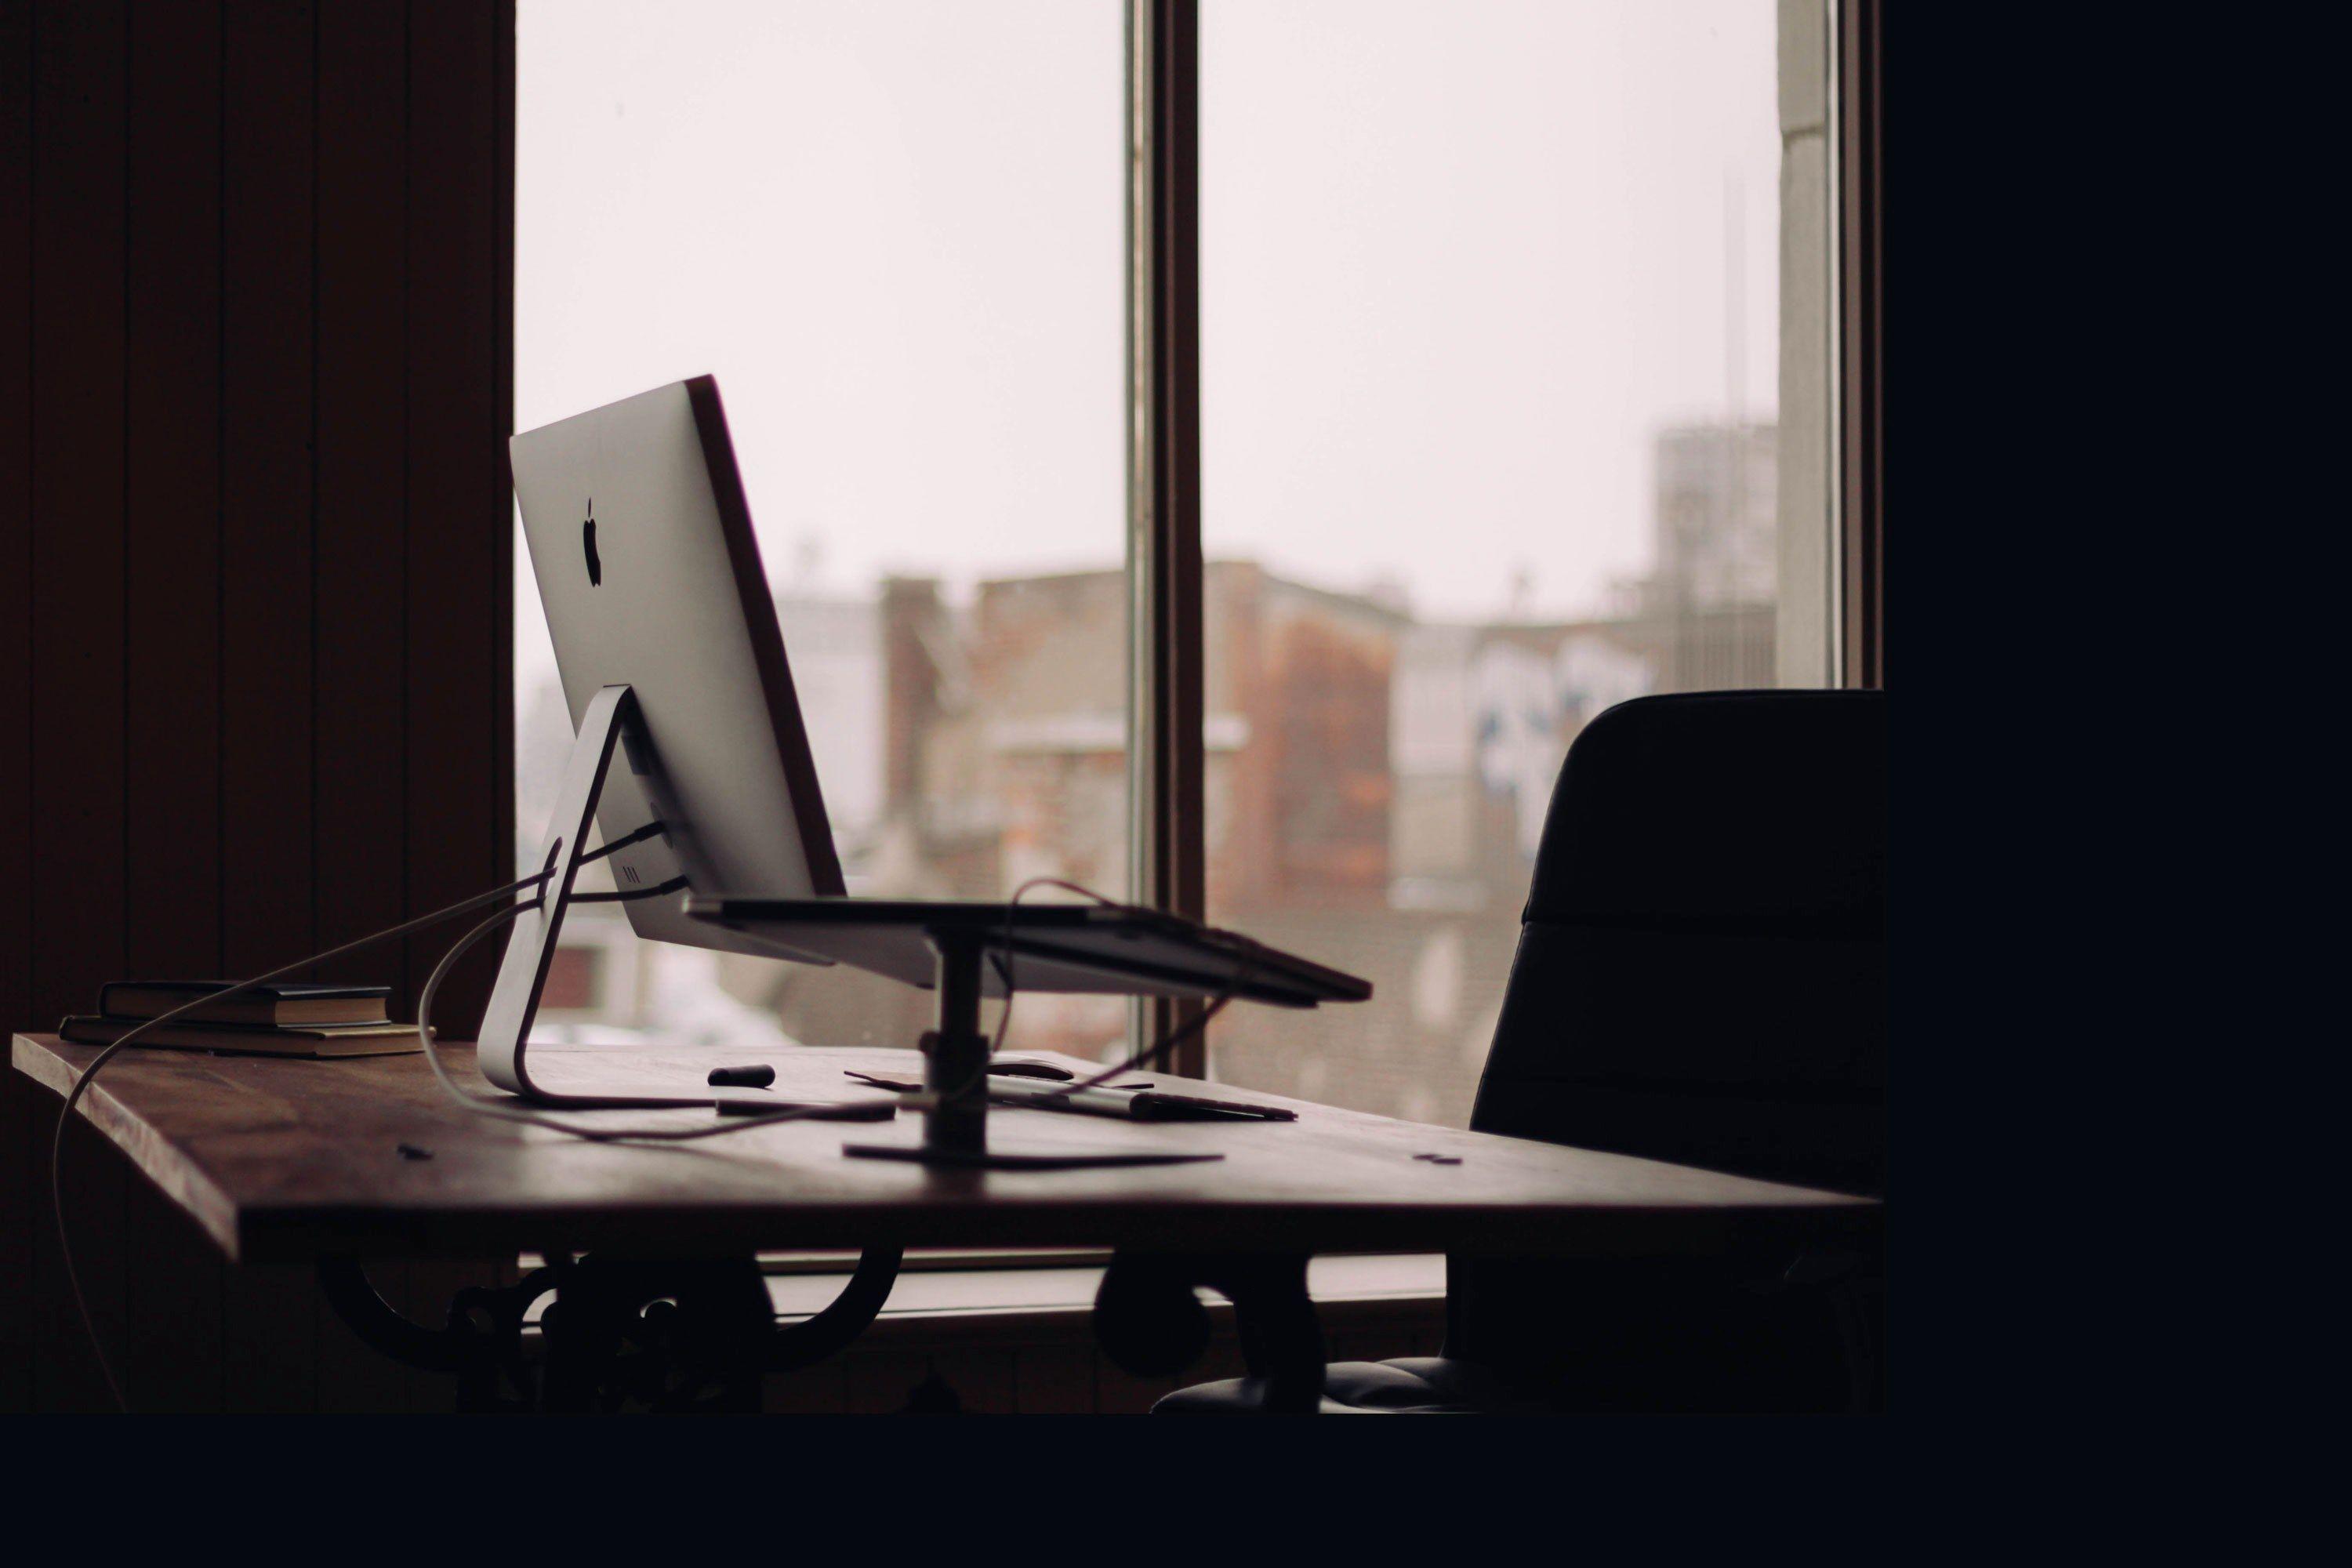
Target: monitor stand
{"points": [[522, 973], [955, 1075], [955, 1129]]}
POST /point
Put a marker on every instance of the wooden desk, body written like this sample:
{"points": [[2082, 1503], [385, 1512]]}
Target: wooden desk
{"points": [[283, 1159]]}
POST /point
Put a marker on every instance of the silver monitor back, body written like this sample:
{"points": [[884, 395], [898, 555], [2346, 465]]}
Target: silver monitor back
{"points": [[642, 544]]}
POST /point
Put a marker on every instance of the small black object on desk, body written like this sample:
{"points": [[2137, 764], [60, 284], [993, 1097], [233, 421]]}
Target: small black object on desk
{"points": [[757, 1076], [751, 1101]]}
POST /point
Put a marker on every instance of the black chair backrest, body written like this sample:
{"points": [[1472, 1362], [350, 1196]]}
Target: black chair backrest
{"points": [[1701, 977]]}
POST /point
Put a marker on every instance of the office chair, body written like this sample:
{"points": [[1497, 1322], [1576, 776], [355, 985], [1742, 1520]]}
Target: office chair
{"points": [[1701, 977]]}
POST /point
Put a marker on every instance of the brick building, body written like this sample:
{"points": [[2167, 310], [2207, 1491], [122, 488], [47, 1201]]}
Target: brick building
{"points": [[1375, 784]]}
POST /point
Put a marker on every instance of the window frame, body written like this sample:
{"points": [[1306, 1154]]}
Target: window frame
{"points": [[1167, 764], [1857, 124]]}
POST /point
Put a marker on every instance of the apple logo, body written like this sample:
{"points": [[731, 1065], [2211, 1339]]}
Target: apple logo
{"points": [[588, 544]]}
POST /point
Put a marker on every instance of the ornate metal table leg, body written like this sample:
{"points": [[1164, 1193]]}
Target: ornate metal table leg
{"points": [[482, 1339], [1149, 1321], [666, 1335], [671, 1335], [843, 1318]]}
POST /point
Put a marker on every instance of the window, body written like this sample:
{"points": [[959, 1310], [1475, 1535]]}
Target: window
{"points": [[1492, 355], [895, 234], [1514, 349]]}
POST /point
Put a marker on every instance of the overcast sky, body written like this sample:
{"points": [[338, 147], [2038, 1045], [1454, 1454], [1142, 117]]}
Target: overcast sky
{"points": [[1460, 261]]}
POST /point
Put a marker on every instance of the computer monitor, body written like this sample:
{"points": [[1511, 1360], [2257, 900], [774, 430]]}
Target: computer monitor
{"points": [[692, 761], [650, 574], [651, 578]]}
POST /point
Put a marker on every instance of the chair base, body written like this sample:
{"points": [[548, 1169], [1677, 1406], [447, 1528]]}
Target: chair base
{"points": [[1410, 1385]]}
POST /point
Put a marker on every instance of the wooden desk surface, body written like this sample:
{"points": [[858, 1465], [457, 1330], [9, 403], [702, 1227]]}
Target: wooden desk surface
{"points": [[283, 1159]]}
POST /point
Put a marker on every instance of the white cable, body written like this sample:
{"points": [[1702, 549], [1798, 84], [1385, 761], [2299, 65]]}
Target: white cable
{"points": [[1145, 1058], [505, 1110], [131, 1037]]}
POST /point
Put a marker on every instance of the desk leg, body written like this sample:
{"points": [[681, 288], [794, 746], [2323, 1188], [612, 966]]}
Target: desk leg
{"points": [[482, 1344], [669, 1334], [664, 1334], [1149, 1321], [843, 1318], [1282, 1339], [685, 1335]]}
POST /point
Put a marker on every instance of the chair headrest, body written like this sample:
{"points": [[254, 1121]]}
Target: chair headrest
{"points": [[1724, 809]]}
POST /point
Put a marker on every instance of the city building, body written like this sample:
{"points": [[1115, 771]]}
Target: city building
{"points": [[1375, 785]]}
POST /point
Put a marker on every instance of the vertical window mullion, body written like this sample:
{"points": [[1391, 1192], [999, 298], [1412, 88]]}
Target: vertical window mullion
{"points": [[1166, 763]]}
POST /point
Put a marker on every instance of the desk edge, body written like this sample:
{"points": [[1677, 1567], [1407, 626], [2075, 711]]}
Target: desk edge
{"points": [[179, 1177]]}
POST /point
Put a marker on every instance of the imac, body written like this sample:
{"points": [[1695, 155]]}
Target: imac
{"points": [[690, 754], [692, 761]]}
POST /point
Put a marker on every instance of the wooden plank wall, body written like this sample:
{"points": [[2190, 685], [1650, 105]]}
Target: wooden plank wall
{"points": [[256, 576]]}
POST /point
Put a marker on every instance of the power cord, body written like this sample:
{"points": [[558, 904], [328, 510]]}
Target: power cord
{"points": [[505, 1111], [130, 1037], [1002, 960], [1148, 1057]]}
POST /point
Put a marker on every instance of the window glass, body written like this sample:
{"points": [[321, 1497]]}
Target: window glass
{"points": [[1514, 350], [894, 231], [1492, 347]]}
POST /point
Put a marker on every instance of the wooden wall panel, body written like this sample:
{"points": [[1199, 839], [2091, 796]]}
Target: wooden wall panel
{"points": [[66, 1375], [461, 646], [269, 1334], [76, 577], [15, 501], [254, 616], [172, 636], [362, 413], [1053, 1380], [175, 1280], [15, 687], [361, 691], [19, 1180], [269, 186]]}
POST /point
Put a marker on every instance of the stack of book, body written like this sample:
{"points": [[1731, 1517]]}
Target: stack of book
{"points": [[287, 1020]]}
